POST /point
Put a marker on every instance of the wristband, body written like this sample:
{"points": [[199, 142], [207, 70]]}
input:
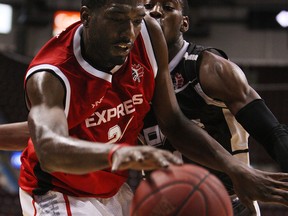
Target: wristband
{"points": [[263, 126], [113, 150]]}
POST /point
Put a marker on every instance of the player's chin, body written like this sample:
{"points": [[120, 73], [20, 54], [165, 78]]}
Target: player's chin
{"points": [[119, 60], [119, 56]]}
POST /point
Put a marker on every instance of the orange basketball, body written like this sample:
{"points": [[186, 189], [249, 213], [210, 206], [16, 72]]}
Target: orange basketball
{"points": [[181, 191]]}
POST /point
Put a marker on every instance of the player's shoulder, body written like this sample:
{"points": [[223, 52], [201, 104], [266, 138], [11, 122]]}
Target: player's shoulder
{"points": [[150, 21], [153, 28], [207, 55], [157, 39], [212, 58]]}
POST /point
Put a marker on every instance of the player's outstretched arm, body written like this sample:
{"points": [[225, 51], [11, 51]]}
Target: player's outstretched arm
{"points": [[198, 145], [224, 80], [14, 136]]}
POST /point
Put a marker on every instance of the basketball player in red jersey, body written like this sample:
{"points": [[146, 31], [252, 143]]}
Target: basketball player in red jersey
{"points": [[88, 90]]}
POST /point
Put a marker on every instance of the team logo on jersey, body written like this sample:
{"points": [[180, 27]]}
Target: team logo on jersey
{"points": [[178, 81], [96, 103], [137, 72]]}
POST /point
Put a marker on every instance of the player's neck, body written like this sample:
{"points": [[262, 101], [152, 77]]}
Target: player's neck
{"points": [[92, 61], [175, 47]]}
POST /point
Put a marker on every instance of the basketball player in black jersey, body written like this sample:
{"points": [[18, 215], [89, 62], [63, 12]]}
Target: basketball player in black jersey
{"points": [[213, 92]]}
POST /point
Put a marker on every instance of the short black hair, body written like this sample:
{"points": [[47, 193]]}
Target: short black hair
{"points": [[93, 3], [185, 7]]}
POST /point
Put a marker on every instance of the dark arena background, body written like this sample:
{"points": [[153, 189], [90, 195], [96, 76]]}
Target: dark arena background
{"points": [[248, 32]]}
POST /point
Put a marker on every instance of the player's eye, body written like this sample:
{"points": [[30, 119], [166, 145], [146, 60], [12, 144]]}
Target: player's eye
{"points": [[148, 6], [168, 8]]}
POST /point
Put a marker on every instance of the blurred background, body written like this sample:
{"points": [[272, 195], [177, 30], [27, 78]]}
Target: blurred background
{"points": [[254, 34]]}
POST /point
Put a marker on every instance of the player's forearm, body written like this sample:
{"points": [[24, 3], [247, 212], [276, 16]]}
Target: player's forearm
{"points": [[199, 146], [66, 154], [14, 136], [59, 151]]}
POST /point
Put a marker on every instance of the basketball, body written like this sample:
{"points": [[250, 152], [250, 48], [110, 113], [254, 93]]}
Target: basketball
{"points": [[181, 191]]}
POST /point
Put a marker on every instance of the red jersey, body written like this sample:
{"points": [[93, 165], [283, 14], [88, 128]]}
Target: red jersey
{"points": [[100, 106]]}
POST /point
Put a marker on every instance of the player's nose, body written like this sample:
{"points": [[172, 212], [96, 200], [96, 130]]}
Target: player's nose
{"points": [[156, 11]]}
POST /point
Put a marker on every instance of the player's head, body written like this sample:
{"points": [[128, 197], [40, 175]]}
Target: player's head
{"points": [[110, 28], [172, 16]]}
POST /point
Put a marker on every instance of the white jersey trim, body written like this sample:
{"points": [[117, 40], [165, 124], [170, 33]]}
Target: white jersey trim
{"points": [[175, 61], [239, 137], [56, 203], [149, 48], [58, 72], [84, 64]]}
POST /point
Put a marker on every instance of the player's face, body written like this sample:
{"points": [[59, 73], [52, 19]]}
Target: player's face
{"points": [[169, 15], [112, 31]]}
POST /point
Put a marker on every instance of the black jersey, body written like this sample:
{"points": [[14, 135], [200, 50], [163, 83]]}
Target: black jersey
{"points": [[210, 114]]}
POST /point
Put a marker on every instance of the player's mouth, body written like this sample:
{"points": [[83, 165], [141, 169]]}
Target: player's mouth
{"points": [[123, 48]]}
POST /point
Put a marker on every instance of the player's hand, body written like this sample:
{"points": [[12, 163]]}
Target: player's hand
{"points": [[252, 184], [142, 158]]}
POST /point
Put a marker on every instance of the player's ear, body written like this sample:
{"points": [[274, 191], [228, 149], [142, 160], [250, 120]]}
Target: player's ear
{"points": [[84, 15], [185, 24]]}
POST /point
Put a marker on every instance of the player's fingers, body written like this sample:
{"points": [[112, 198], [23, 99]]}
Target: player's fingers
{"points": [[161, 160], [279, 184], [137, 156], [279, 196], [115, 164], [278, 200], [120, 163], [279, 176], [173, 159]]}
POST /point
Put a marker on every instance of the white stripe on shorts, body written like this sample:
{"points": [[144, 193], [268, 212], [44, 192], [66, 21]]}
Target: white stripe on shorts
{"points": [[56, 203]]}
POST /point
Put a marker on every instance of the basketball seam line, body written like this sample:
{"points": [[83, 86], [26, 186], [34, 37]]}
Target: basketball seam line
{"points": [[189, 195]]}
